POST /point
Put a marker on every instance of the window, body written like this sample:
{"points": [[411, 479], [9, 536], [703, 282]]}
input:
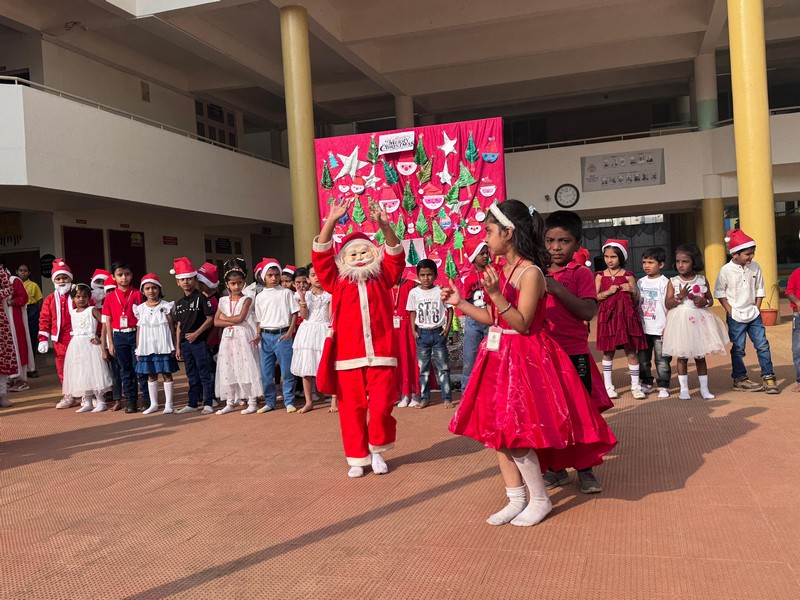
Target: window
{"points": [[216, 123]]}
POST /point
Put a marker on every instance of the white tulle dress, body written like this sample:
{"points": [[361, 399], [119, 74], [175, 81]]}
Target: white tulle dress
{"points": [[692, 332], [85, 371], [238, 366], [310, 338]]}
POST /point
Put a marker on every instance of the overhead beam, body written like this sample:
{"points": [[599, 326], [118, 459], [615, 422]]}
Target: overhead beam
{"points": [[716, 25]]}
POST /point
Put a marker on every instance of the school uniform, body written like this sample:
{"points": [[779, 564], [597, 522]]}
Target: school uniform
{"points": [[190, 313]]}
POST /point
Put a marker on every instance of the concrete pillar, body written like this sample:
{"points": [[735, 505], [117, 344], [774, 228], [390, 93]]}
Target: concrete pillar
{"points": [[752, 136], [683, 109], [404, 112], [300, 129], [713, 220], [705, 90]]}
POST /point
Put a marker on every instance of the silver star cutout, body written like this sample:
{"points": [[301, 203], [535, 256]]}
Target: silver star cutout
{"points": [[350, 164], [449, 146], [445, 176], [371, 180]]}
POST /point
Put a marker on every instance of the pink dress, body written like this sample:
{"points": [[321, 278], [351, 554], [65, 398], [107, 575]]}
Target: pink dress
{"points": [[619, 324], [527, 394]]}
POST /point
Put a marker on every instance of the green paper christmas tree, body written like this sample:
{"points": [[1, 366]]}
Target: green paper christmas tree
{"points": [[450, 268], [400, 228], [390, 174], [452, 194], [409, 203], [439, 236], [476, 203], [380, 238], [420, 157], [350, 230], [326, 181], [372, 153], [330, 200], [412, 258], [428, 242], [359, 216], [458, 243], [424, 174], [471, 153], [422, 224], [465, 178]]}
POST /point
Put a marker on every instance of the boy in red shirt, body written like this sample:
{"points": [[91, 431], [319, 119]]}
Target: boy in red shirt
{"points": [[571, 303], [793, 294]]}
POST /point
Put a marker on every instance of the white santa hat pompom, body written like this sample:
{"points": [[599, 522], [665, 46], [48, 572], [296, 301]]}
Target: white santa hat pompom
{"points": [[172, 271], [727, 239]]}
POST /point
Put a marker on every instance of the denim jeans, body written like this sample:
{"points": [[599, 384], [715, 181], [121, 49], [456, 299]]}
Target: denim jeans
{"points": [[125, 350], [272, 350], [474, 333], [796, 345], [432, 345], [33, 323], [653, 352], [738, 333], [198, 364]]}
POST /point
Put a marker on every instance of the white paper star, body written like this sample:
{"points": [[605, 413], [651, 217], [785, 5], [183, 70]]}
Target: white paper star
{"points": [[445, 176], [371, 180], [350, 164], [449, 146]]}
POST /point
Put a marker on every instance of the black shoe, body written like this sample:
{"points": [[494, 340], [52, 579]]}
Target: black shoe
{"points": [[130, 409], [33, 374], [589, 483], [555, 478]]}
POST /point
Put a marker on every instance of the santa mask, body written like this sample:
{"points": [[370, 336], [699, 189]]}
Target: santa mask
{"points": [[98, 290], [359, 261]]}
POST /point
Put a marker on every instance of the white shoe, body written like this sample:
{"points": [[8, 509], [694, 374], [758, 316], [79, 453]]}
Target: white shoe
{"points": [[101, 406], [168, 410], [252, 406], [226, 409], [403, 402], [379, 466], [187, 409], [646, 388], [414, 403], [207, 410], [265, 409], [707, 395], [638, 393], [214, 403], [612, 393], [65, 403], [663, 393], [86, 406], [291, 408]]}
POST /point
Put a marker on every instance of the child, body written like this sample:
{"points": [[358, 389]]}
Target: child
{"points": [[8, 358], [315, 310], [793, 294], [430, 322], [571, 303], [109, 286], [86, 373], [471, 290], [740, 290], [194, 317], [653, 308], [691, 329], [34, 306], [255, 288], [238, 372], [119, 328], [287, 277], [55, 323], [207, 283], [97, 284], [17, 310], [528, 402], [406, 344], [276, 312], [618, 323], [155, 345]]}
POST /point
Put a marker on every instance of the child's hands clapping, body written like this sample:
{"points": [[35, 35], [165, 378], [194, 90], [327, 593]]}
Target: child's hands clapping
{"points": [[491, 280]]}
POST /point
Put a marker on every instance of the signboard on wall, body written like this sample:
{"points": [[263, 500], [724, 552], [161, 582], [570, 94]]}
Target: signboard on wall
{"points": [[623, 170]]}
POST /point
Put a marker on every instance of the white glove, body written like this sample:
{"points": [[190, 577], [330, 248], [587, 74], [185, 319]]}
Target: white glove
{"points": [[43, 347]]}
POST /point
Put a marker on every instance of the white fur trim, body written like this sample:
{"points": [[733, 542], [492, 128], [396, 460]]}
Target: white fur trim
{"points": [[60, 272], [744, 246], [149, 280], [268, 266], [478, 248], [359, 462], [205, 280], [357, 363], [394, 250], [317, 247], [188, 275], [501, 218], [379, 449]]}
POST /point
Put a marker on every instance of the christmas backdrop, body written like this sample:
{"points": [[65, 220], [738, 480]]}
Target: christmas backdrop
{"points": [[436, 190]]}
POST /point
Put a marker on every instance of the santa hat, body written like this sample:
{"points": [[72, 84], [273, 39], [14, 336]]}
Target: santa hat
{"points": [[355, 237], [430, 189], [289, 270], [100, 274], [60, 267], [405, 156], [473, 247], [183, 268], [581, 257], [208, 275], [265, 265], [387, 193], [358, 180], [491, 146], [621, 244], [738, 240], [150, 278], [109, 283], [486, 182]]}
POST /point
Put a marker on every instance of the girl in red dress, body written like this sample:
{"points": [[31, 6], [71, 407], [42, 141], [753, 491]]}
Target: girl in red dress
{"points": [[524, 398], [405, 343], [9, 365], [619, 325]]}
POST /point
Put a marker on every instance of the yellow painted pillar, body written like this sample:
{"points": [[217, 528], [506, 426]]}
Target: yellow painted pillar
{"points": [[300, 129], [751, 132]]}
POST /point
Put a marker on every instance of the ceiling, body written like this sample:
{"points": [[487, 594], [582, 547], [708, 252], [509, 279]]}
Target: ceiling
{"points": [[454, 57]]}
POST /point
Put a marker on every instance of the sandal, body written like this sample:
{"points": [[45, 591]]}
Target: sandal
{"points": [[423, 404]]}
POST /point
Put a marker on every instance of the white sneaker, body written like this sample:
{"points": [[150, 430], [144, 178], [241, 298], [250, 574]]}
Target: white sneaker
{"points": [[403, 402], [707, 395], [646, 388], [663, 393], [187, 409], [290, 408], [414, 403], [612, 393], [207, 410], [65, 403], [264, 409], [638, 393]]}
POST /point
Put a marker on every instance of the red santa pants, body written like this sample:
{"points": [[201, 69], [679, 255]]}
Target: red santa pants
{"points": [[61, 351], [360, 391]]}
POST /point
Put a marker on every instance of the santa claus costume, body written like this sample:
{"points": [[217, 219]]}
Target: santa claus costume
{"points": [[8, 354], [405, 349], [55, 323], [360, 279], [17, 313]]}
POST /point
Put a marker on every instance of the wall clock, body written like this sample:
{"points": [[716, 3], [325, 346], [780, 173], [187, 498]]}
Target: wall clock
{"points": [[567, 195]]}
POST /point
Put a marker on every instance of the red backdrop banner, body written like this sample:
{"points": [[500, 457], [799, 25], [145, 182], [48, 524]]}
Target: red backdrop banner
{"points": [[436, 183]]}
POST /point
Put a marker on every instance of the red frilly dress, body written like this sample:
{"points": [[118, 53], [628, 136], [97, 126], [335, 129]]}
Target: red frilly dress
{"points": [[405, 346], [619, 324], [527, 394]]}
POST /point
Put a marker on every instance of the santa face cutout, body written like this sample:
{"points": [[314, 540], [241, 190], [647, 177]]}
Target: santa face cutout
{"points": [[344, 188], [390, 205], [487, 188], [338, 234], [434, 256], [406, 167], [433, 202], [473, 227], [358, 186]]}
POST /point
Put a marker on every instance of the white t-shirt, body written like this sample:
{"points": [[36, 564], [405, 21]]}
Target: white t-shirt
{"points": [[275, 307], [431, 311], [652, 306], [741, 285]]}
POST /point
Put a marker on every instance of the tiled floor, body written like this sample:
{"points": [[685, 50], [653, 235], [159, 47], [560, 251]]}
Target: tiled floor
{"points": [[699, 502]]}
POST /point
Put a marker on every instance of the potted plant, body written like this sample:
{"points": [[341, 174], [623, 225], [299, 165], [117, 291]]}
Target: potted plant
{"points": [[770, 305]]}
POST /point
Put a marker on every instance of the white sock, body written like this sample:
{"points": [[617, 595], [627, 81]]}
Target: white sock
{"points": [[608, 367], [704, 387], [379, 466], [252, 406], [684, 381], [539, 505], [356, 472], [152, 389], [516, 504], [168, 385], [86, 404], [99, 402], [634, 371], [230, 406]]}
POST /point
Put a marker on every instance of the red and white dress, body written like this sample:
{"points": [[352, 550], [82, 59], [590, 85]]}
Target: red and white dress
{"points": [[527, 394], [9, 365], [18, 321]]}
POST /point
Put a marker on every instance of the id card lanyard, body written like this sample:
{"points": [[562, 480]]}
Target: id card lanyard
{"points": [[229, 328], [397, 318], [495, 331], [123, 319]]}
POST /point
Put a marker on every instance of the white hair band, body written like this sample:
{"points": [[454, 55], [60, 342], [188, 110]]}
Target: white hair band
{"points": [[501, 218]]}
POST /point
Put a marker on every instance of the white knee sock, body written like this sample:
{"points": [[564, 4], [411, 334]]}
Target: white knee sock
{"points": [[539, 505], [608, 366], [168, 385], [704, 387], [684, 381], [152, 389], [516, 504], [634, 371], [252, 406]]}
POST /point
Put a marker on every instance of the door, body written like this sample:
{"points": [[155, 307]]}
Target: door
{"points": [[128, 246], [83, 251]]}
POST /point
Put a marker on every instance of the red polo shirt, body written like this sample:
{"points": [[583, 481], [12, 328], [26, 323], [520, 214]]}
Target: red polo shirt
{"points": [[569, 331], [120, 304]]}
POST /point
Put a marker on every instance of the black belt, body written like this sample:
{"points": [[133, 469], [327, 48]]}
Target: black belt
{"points": [[275, 331]]}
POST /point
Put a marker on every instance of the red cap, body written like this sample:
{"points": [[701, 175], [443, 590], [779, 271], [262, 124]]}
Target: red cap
{"points": [[621, 244], [60, 267], [354, 237], [581, 257], [183, 268], [473, 247], [738, 240], [289, 269], [109, 283], [150, 278], [208, 274], [100, 274]]}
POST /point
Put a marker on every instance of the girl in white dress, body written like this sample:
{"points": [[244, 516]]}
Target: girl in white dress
{"points": [[155, 342], [315, 310], [692, 330], [86, 374], [238, 365]]}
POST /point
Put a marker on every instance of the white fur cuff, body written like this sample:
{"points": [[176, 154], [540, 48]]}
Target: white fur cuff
{"points": [[394, 250], [317, 247]]}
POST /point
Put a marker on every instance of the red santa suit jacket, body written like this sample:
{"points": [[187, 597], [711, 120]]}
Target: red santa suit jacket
{"points": [[54, 320], [363, 310]]}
